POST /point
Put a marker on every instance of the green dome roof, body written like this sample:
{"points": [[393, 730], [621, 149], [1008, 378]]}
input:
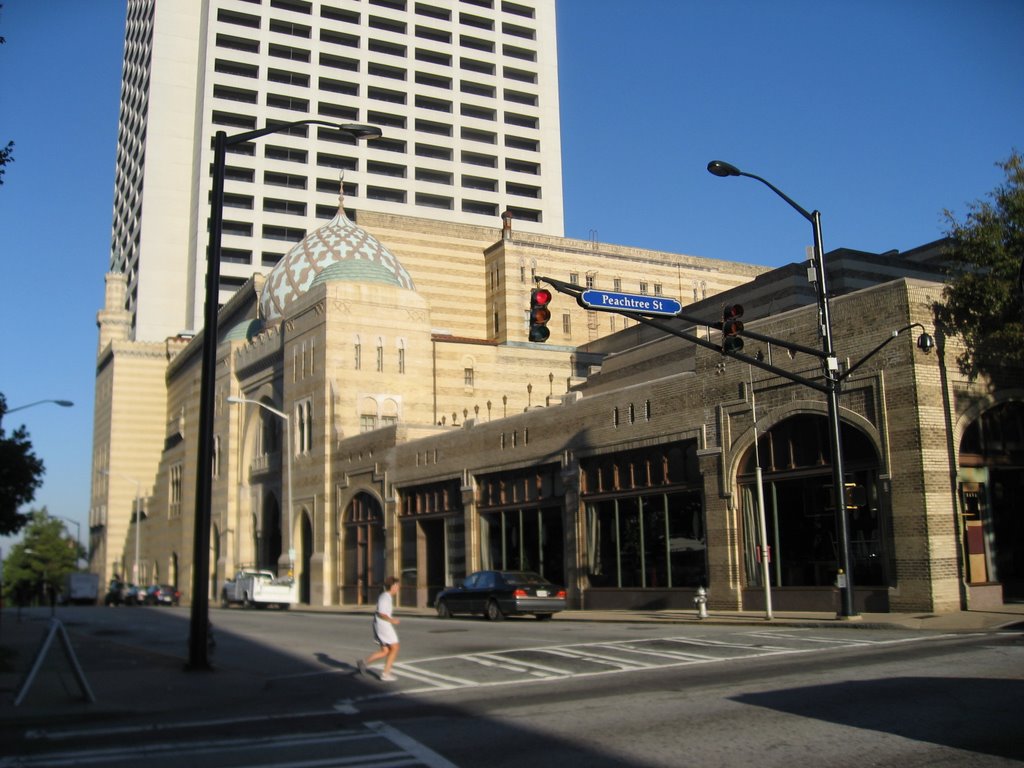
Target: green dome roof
{"points": [[358, 272], [245, 330]]}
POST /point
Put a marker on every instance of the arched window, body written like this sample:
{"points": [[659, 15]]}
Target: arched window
{"points": [[401, 355], [800, 514]]}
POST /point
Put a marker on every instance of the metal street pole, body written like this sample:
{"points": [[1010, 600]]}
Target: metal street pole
{"points": [[832, 384], [288, 448], [762, 523], [78, 535], [199, 623], [138, 532]]}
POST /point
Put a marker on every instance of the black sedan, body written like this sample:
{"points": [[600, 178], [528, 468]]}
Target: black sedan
{"points": [[497, 594]]}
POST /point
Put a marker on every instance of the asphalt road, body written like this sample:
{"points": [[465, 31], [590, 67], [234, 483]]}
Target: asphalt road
{"points": [[537, 694]]}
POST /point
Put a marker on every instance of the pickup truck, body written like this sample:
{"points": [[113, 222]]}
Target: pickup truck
{"points": [[257, 588]]}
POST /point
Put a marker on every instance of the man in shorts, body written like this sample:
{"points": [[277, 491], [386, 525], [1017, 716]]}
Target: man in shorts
{"points": [[384, 631]]}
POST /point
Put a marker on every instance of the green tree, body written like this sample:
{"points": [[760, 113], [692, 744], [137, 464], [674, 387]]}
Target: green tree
{"points": [[21, 474], [44, 556], [983, 302]]}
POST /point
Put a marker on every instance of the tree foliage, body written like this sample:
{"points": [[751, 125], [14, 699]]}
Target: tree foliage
{"points": [[6, 157], [46, 553], [983, 302], [7, 152], [21, 473]]}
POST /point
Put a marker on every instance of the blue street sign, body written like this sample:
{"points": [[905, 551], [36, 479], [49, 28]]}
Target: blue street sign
{"points": [[630, 302]]}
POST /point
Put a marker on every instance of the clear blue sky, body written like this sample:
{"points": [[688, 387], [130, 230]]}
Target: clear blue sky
{"points": [[878, 113]]}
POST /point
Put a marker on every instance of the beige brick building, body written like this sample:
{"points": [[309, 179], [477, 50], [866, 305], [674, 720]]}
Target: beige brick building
{"points": [[428, 438]]}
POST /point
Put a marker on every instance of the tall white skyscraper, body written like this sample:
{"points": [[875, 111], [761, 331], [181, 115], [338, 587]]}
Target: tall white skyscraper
{"points": [[465, 92]]}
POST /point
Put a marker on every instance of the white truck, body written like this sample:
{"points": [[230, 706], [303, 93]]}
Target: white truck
{"points": [[257, 588], [81, 588]]}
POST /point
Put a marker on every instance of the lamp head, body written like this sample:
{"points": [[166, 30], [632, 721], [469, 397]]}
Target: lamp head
{"points": [[358, 131], [64, 403], [925, 342], [722, 168]]}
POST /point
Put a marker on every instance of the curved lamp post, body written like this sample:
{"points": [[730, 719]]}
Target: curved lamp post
{"points": [[288, 466], [61, 403], [832, 383], [199, 626]]}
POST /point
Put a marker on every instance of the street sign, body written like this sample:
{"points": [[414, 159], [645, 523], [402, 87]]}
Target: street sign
{"points": [[630, 302]]}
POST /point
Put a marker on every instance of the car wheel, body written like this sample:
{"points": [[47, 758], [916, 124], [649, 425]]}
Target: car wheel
{"points": [[494, 612], [543, 616], [246, 602], [224, 602], [442, 610]]}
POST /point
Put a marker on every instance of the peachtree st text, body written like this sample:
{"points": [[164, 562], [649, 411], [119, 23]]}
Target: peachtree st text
{"points": [[629, 302]]}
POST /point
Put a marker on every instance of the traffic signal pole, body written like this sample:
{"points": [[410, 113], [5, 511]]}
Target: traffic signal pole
{"points": [[829, 385]]}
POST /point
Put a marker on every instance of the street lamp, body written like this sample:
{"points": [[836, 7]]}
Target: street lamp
{"points": [[288, 467], [832, 383], [138, 519], [78, 535], [199, 626], [61, 403]]}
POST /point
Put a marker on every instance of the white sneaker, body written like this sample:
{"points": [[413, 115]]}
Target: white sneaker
{"points": [[388, 677]]}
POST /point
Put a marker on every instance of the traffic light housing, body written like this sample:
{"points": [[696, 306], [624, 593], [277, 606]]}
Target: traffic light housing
{"points": [[539, 314], [731, 328]]}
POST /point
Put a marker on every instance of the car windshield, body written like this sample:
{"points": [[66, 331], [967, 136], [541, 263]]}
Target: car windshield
{"points": [[520, 579]]}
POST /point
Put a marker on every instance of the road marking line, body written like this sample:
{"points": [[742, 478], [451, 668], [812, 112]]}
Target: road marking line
{"points": [[599, 658], [407, 669], [421, 752], [664, 654], [141, 752], [549, 671]]}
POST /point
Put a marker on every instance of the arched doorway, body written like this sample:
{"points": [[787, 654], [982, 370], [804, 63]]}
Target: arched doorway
{"points": [[269, 551], [796, 465], [991, 478], [363, 553]]}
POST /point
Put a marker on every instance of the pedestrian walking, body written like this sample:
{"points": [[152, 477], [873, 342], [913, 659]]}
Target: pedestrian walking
{"points": [[384, 633]]}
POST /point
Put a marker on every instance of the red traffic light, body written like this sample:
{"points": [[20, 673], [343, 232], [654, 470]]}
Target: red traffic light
{"points": [[731, 326], [539, 314]]}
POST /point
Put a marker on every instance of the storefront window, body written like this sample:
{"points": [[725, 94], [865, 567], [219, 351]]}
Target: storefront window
{"points": [[521, 522], [524, 540], [645, 518], [649, 541]]}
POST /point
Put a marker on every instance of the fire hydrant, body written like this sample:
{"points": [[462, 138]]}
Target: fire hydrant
{"points": [[701, 601]]}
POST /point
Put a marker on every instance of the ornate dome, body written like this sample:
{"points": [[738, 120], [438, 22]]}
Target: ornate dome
{"points": [[339, 250]]}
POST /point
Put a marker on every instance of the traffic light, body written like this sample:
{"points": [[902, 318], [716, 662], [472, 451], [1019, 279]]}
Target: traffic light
{"points": [[731, 328], [539, 314]]}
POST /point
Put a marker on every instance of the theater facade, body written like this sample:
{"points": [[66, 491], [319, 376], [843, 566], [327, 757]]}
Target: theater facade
{"points": [[623, 464]]}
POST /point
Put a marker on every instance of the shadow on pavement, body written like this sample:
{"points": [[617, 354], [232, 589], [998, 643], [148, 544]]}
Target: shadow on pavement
{"points": [[926, 709], [136, 666]]}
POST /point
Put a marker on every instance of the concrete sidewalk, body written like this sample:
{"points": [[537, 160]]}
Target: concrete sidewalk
{"points": [[128, 681]]}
